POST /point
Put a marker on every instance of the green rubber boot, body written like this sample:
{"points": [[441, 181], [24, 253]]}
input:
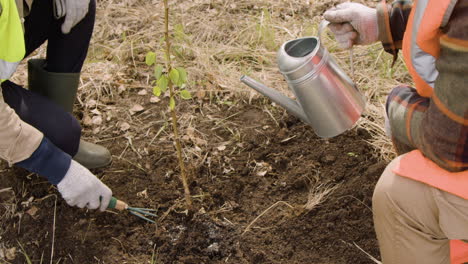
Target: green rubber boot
{"points": [[61, 88]]}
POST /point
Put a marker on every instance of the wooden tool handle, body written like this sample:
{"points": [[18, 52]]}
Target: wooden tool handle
{"points": [[117, 204]]}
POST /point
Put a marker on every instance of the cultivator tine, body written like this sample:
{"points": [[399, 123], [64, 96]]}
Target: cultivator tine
{"points": [[137, 214], [143, 211]]}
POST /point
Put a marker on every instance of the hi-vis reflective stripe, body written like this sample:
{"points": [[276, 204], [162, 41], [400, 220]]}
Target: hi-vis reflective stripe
{"points": [[7, 69], [421, 46], [423, 63], [12, 48]]}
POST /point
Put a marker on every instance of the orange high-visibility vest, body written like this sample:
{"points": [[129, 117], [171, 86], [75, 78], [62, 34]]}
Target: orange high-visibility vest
{"points": [[421, 48]]}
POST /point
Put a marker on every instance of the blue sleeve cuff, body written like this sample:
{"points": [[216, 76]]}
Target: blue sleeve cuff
{"points": [[47, 161]]}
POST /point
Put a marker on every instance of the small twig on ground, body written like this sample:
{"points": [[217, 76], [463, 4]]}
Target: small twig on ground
{"points": [[168, 211], [86, 232], [264, 212], [6, 189], [369, 255], [120, 242], [53, 232], [161, 129], [131, 163], [370, 209], [28, 260], [130, 142], [272, 117]]}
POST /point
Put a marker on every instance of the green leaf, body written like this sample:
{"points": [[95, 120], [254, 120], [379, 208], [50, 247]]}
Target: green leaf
{"points": [[184, 94], [182, 76], [158, 71], [150, 58], [172, 103], [174, 76], [162, 83], [157, 91]]}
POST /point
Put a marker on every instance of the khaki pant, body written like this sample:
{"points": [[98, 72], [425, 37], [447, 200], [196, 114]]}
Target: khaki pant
{"points": [[414, 222]]}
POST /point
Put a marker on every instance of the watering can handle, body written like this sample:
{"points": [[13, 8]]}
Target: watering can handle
{"points": [[322, 26]]}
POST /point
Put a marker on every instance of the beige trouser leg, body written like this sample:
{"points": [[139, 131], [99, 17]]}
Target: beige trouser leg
{"points": [[414, 222]]}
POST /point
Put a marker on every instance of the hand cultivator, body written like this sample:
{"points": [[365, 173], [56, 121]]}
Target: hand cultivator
{"points": [[142, 213]]}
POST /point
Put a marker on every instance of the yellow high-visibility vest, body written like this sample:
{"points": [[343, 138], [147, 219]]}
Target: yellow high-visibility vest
{"points": [[12, 47]]}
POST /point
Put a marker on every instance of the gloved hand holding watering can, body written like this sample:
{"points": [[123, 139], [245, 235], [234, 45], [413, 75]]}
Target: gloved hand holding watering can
{"points": [[327, 99], [352, 24]]}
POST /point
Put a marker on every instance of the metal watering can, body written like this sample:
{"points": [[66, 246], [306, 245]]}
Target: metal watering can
{"points": [[327, 99]]}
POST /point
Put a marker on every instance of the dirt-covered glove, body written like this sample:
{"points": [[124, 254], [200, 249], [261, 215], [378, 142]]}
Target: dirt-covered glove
{"points": [[353, 23], [73, 11], [81, 188]]}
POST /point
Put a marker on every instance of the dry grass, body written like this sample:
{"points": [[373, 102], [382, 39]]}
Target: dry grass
{"points": [[318, 194]]}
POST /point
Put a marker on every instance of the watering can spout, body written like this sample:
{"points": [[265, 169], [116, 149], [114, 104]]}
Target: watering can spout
{"points": [[290, 105]]}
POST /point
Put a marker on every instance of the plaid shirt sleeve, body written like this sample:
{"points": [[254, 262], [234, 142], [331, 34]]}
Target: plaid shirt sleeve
{"points": [[438, 126], [392, 20]]}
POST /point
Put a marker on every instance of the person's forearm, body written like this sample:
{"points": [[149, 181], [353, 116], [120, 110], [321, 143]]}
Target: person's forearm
{"points": [[48, 161]]}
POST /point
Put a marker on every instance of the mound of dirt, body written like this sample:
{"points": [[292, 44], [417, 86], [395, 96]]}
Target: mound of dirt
{"points": [[245, 161]]}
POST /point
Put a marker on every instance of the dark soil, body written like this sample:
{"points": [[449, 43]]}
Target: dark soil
{"points": [[241, 161]]}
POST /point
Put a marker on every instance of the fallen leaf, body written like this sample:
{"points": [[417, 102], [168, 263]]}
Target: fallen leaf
{"points": [[87, 121], [97, 120], [221, 148], [125, 126], [10, 253], [143, 194], [136, 108], [154, 99], [200, 94], [200, 141], [32, 211], [262, 173], [143, 92], [121, 89]]}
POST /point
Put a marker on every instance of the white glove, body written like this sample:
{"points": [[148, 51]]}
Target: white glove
{"points": [[353, 23], [81, 188], [73, 11]]}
